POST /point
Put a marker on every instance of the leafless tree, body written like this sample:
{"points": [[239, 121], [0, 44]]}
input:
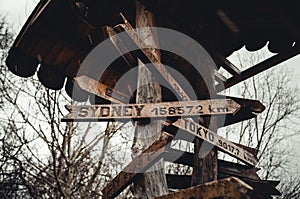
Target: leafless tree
{"points": [[56, 159], [290, 187], [41, 157], [271, 131]]}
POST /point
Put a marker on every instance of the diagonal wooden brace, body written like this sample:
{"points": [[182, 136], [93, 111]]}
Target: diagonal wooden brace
{"points": [[138, 166]]}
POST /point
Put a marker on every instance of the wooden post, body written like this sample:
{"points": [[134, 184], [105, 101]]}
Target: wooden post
{"points": [[154, 182], [205, 161]]}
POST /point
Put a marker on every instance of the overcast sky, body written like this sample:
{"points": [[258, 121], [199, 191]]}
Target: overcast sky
{"points": [[17, 11]]}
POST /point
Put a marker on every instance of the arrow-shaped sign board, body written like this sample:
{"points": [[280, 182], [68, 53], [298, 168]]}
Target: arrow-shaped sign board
{"points": [[157, 110], [207, 135], [92, 86]]}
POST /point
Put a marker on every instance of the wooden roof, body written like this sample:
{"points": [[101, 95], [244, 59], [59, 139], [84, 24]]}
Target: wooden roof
{"points": [[59, 34]]}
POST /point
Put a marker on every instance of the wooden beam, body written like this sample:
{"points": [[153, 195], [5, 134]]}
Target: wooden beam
{"points": [[154, 182], [229, 188], [101, 90], [120, 46], [139, 165], [219, 77], [226, 64], [155, 66], [260, 67]]}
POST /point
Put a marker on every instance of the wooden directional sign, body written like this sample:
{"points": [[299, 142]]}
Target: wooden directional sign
{"points": [[249, 110], [92, 86], [186, 125], [207, 135], [114, 96], [156, 66], [138, 166], [157, 110]]}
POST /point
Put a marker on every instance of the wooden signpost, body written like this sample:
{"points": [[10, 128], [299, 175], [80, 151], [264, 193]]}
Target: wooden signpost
{"points": [[184, 124], [157, 110], [186, 108], [146, 50]]}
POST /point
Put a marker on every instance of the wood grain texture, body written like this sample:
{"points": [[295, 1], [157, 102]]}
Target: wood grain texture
{"points": [[136, 167], [152, 183], [205, 169], [205, 155], [204, 134]]}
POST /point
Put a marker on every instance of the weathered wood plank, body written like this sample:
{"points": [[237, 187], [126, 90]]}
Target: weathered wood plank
{"points": [[120, 46], [219, 77], [263, 188], [151, 110], [139, 165], [92, 86], [254, 106], [207, 135], [149, 56], [102, 90], [154, 182], [229, 188]]}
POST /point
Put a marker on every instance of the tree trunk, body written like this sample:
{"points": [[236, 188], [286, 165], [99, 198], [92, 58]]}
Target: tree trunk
{"points": [[153, 183]]}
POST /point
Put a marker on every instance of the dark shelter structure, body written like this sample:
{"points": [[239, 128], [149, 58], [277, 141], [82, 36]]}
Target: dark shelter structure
{"points": [[59, 34]]}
